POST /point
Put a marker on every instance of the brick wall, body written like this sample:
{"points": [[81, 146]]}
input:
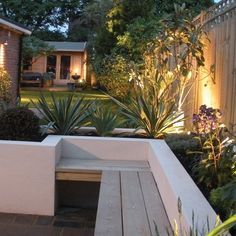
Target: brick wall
{"points": [[11, 51]]}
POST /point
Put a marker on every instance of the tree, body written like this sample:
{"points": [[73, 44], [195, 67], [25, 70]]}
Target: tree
{"points": [[40, 14], [34, 48], [50, 35], [195, 6]]}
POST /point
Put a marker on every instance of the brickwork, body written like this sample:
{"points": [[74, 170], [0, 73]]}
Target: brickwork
{"points": [[11, 54]]}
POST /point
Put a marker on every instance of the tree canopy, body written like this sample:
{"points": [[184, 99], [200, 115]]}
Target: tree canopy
{"points": [[40, 14], [113, 28]]}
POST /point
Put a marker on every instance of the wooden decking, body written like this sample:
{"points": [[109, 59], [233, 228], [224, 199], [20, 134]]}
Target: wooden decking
{"points": [[129, 200], [130, 204]]}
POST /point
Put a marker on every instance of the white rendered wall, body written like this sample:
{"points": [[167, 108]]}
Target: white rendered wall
{"points": [[27, 178], [105, 148], [174, 182]]}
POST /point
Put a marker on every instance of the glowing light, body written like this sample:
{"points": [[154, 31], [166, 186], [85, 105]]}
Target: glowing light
{"points": [[76, 71], [207, 96], [189, 76], [2, 55]]}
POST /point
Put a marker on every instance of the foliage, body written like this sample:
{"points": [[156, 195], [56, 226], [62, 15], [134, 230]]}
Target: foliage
{"points": [[224, 198], [65, 114], [34, 47], [207, 120], [41, 14], [115, 78], [217, 164], [153, 113], [5, 105], [134, 40], [50, 35], [224, 227], [124, 12], [195, 6], [104, 120], [220, 229], [181, 144], [19, 123], [131, 25], [171, 56], [5, 86], [83, 27]]}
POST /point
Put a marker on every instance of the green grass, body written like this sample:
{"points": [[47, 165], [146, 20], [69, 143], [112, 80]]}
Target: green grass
{"points": [[28, 95]]}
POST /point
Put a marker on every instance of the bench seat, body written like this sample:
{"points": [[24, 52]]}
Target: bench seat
{"points": [[130, 205]]}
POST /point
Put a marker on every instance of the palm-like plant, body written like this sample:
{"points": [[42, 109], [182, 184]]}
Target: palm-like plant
{"points": [[104, 120], [66, 115], [154, 113]]}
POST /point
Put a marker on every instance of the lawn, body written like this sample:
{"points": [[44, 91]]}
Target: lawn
{"points": [[32, 95]]}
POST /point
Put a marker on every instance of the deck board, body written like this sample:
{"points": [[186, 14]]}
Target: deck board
{"points": [[135, 221], [154, 205], [129, 200], [109, 221]]}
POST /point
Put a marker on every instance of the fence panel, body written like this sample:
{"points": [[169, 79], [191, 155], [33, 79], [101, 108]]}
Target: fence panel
{"points": [[217, 89]]}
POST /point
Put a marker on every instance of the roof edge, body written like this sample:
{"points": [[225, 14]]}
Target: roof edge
{"points": [[14, 26]]}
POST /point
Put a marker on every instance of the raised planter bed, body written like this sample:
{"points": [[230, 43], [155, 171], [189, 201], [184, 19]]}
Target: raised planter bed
{"points": [[27, 173]]}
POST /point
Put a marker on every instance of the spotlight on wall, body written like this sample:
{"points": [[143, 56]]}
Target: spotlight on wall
{"points": [[5, 43]]}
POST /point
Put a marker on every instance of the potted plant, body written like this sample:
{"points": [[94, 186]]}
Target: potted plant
{"points": [[48, 79]]}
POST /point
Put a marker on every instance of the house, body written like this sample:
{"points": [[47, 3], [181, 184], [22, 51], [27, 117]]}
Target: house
{"points": [[68, 59], [11, 34]]}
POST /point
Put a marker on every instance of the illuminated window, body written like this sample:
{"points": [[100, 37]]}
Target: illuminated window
{"points": [[51, 63]]}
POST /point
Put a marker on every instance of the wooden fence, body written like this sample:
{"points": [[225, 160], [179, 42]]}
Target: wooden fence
{"points": [[219, 89]]}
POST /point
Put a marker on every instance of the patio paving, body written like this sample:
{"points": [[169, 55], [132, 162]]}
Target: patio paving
{"points": [[66, 223]]}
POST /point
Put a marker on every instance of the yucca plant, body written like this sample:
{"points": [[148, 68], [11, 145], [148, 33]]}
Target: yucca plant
{"points": [[66, 115], [104, 120], [153, 113]]}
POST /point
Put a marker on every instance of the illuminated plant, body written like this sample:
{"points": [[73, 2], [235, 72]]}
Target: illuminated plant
{"points": [[155, 114], [174, 56], [5, 86]]}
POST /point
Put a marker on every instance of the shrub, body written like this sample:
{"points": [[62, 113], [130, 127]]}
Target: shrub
{"points": [[19, 124], [224, 199], [181, 144], [66, 115], [5, 85], [115, 77], [104, 120]]}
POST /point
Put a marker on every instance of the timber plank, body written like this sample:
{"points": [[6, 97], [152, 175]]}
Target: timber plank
{"points": [[90, 176], [135, 221], [109, 220], [154, 205]]}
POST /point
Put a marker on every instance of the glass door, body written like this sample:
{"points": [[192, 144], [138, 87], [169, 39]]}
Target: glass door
{"points": [[65, 67]]}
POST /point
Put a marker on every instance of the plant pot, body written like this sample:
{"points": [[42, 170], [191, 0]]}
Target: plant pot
{"points": [[71, 86], [47, 83]]}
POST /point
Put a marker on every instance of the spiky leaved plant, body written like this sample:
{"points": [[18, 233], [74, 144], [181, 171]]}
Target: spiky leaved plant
{"points": [[66, 115], [104, 119]]}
